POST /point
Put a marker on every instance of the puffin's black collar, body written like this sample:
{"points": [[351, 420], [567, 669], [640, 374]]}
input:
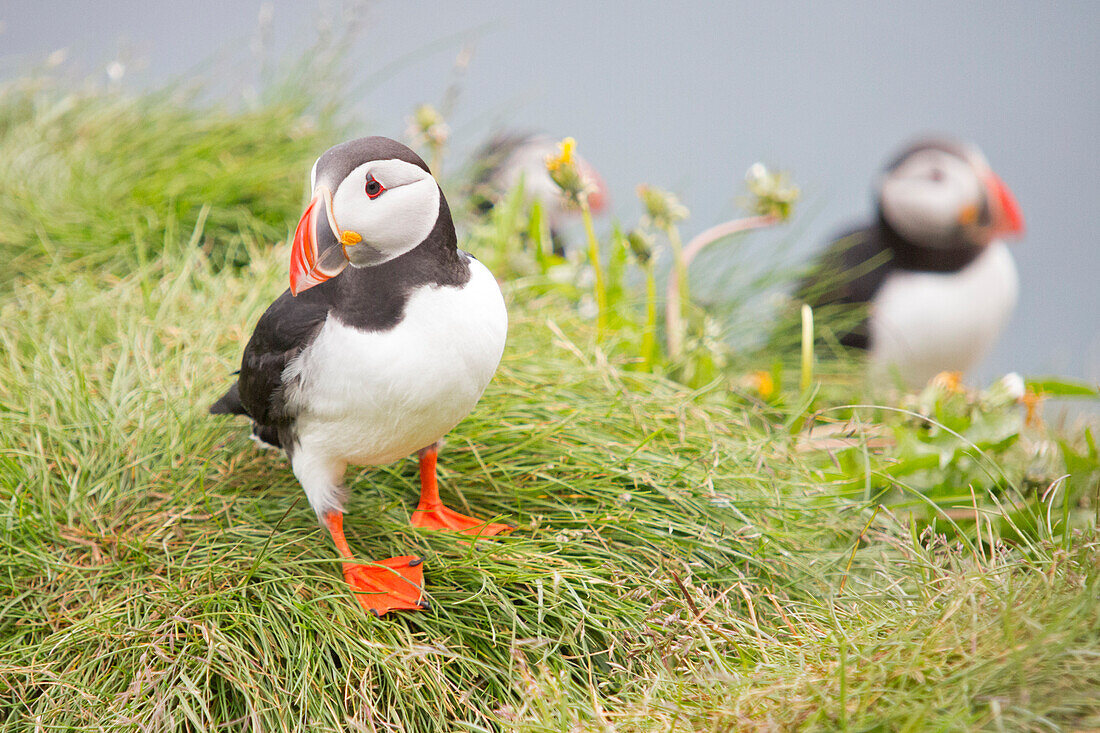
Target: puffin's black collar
{"points": [[911, 256]]}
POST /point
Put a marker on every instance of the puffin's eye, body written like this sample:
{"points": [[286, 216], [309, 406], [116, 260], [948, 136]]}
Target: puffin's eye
{"points": [[374, 188], [936, 174]]}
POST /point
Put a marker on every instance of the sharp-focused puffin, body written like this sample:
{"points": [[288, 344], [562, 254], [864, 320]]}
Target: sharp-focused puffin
{"points": [[938, 281], [371, 363], [510, 157]]}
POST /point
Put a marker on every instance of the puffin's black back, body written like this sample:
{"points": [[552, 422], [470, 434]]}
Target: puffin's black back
{"points": [[855, 265], [849, 273]]}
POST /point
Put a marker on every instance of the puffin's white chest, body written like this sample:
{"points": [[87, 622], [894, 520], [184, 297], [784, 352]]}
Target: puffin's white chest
{"points": [[375, 397], [924, 323]]}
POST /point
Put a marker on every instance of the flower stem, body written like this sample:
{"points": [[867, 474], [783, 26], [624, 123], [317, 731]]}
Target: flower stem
{"points": [[594, 258], [807, 346], [649, 335], [725, 229], [677, 299], [539, 233]]}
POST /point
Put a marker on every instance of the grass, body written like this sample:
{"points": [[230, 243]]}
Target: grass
{"points": [[682, 561]]}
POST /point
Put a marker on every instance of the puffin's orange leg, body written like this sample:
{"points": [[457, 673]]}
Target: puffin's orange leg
{"points": [[430, 512], [396, 584]]}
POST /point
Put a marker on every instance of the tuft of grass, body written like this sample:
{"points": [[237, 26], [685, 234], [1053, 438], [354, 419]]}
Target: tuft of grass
{"points": [[111, 181], [682, 561]]}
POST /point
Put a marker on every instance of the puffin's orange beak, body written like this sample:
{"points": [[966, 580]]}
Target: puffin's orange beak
{"points": [[1007, 218], [316, 255], [598, 197]]}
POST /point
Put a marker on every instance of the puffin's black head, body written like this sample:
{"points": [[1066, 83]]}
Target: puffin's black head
{"points": [[941, 194], [373, 200]]}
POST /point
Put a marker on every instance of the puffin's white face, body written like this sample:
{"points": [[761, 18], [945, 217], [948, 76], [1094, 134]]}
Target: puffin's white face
{"points": [[933, 196], [390, 205], [373, 200]]}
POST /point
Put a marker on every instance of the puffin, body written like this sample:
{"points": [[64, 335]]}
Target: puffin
{"points": [[384, 341], [933, 272], [509, 157]]}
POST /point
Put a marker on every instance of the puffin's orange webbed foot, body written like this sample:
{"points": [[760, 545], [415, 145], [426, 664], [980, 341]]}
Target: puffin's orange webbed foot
{"points": [[431, 514], [395, 584], [440, 517]]}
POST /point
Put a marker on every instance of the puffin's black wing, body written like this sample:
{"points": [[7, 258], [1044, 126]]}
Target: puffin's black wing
{"points": [[849, 273], [283, 331], [229, 403]]}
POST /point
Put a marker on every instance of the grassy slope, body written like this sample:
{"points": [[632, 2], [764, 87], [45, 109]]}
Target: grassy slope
{"points": [[678, 563]]}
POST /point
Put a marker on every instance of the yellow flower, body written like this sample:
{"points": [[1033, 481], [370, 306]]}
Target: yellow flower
{"points": [[763, 383], [566, 148], [948, 382], [566, 173]]}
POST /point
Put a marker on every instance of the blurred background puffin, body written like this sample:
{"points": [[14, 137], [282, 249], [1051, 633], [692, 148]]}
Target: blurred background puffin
{"points": [[932, 271], [370, 363], [508, 158]]}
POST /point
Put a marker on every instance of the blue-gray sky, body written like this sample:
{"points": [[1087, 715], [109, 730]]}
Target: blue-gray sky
{"points": [[688, 96]]}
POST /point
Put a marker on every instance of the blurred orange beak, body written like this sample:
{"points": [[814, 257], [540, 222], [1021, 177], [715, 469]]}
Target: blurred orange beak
{"points": [[597, 197], [1007, 219], [317, 254]]}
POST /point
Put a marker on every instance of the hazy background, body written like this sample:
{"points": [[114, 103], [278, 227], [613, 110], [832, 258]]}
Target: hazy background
{"points": [[687, 97]]}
